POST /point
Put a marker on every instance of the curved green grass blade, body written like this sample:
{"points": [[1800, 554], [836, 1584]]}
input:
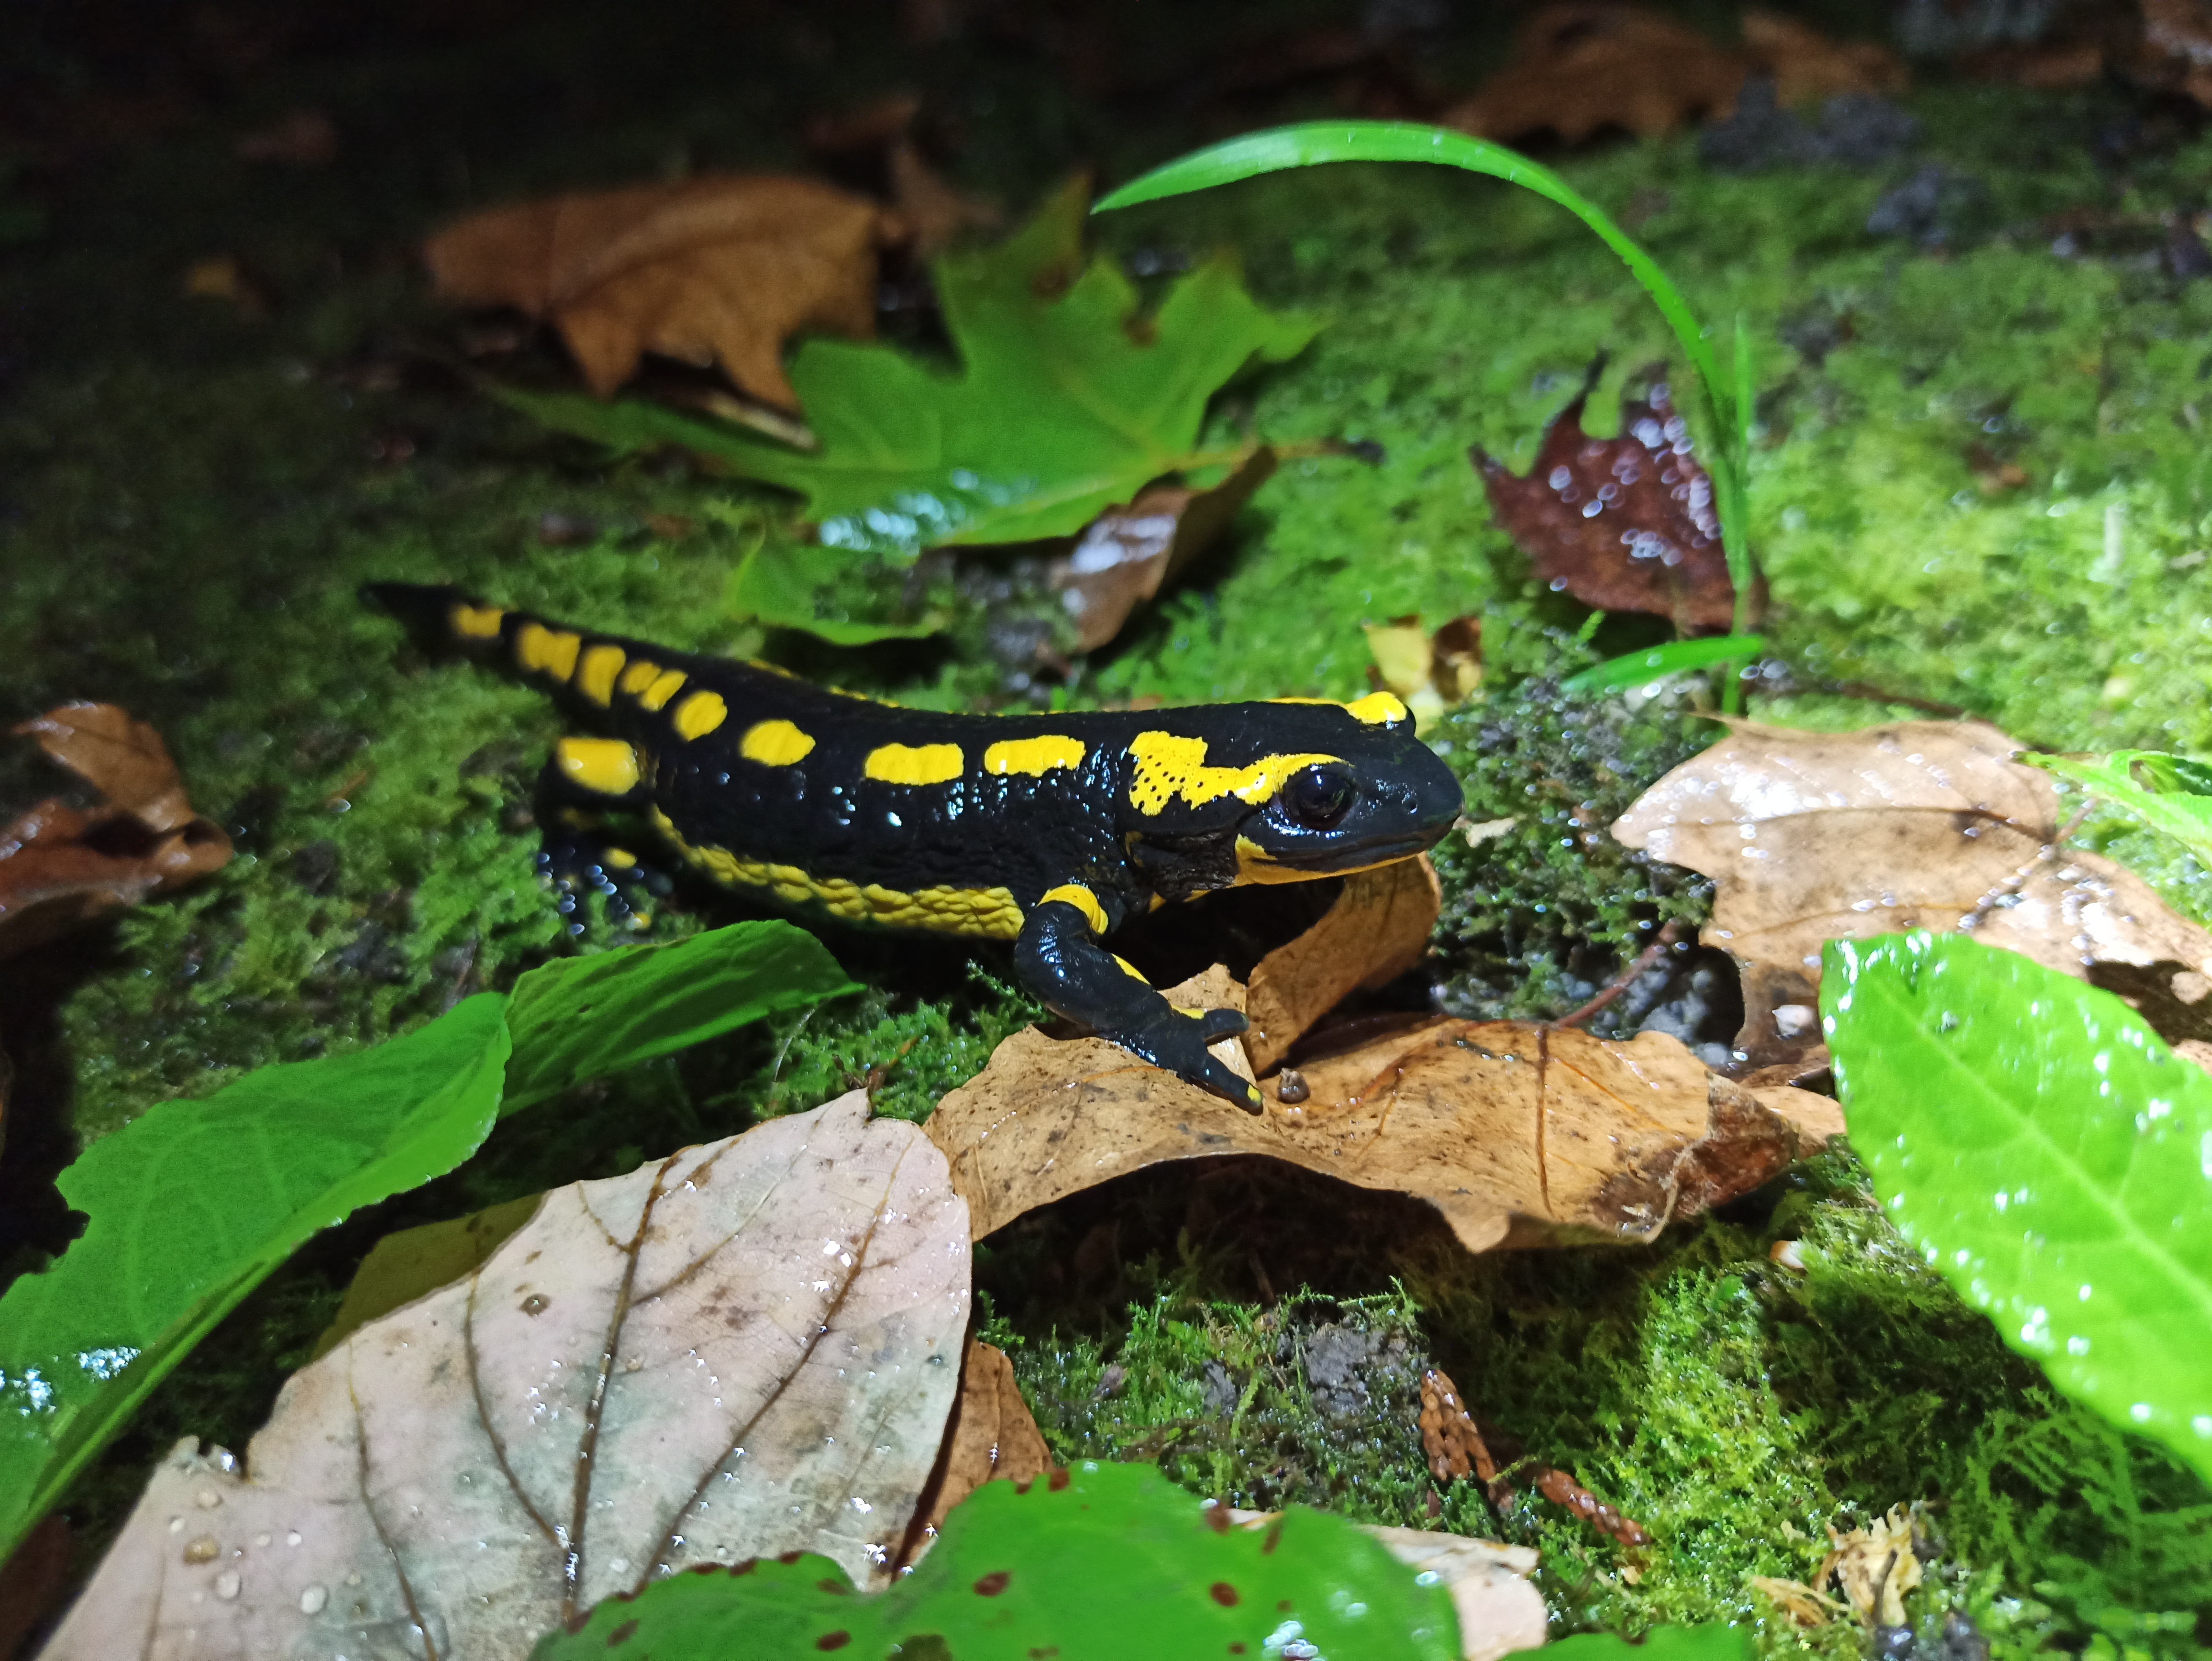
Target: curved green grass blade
{"points": [[193, 1204], [2050, 1156], [584, 1018], [1640, 668], [1114, 1562], [2170, 794]]}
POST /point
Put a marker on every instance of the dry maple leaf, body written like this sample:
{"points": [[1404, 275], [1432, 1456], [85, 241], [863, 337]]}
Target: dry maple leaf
{"points": [[1814, 837], [1125, 554], [742, 1349], [1374, 931], [1623, 523], [721, 269], [1580, 68], [60, 868], [1518, 1134]]}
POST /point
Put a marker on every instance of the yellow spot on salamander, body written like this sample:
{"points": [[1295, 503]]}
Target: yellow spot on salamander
{"points": [[1302, 700], [1379, 709], [665, 686], [639, 676], [608, 766], [1254, 864], [978, 913], [476, 621], [1038, 755], [700, 715], [1075, 894], [1171, 766], [775, 744], [536, 647], [923, 764], [596, 679], [1130, 968], [620, 859]]}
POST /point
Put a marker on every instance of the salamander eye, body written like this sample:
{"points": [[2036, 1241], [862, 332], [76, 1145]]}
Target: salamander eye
{"points": [[1317, 797]]}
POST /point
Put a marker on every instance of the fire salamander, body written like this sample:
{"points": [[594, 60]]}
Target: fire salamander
{"points": [[1046, 830]]}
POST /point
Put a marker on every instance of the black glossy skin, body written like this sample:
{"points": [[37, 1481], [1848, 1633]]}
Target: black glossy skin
{"points": [[1101, 825]]}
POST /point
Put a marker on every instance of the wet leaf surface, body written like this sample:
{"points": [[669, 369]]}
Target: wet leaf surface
{"points": [[990, 1437], [1105, 1561], [1518, 1134], [746, 1349], [1814, 837], [61, 868], [714, 270], [1623, 523], [2048, 1153]]}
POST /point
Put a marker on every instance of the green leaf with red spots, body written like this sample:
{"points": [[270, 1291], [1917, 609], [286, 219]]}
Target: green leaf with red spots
{"points": [[1099, 1563]]}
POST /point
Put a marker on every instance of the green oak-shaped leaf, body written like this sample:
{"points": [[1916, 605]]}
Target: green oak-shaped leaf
{"points": [[2050, 1155], [2170, 794], [787, 587], [584, 1018], [194, 1203], [1068, 399], [1114, 1562]]}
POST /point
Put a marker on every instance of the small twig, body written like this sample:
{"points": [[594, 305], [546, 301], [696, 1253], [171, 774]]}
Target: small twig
{"points": [[1661, 943]]}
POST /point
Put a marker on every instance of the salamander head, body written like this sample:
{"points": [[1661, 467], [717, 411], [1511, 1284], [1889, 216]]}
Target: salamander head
{"points": [[1256, 793]]}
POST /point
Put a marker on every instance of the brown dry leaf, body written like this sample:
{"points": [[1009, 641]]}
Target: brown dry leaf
{"points": [[1375, 930], [1814, 837], [60, 868], [1623, 523], [33, 1582], [1582, 67], [1800, 1602], [1875, 1567], [743, 1349], [992, 1436], [1518, 1134], [1431, 672], [721, 268], [1125, 554], [1808, 67], [935, 215], [2177, 45]]}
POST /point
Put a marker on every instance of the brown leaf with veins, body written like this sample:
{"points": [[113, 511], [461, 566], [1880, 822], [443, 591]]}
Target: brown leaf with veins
{"points": [[992, 1436], [743, 1349], [1814, 837], [1375, 930], [1579, 68], [1623, 523], [718, 268], [61, 868], [1125, 554], [1519, 1134]]}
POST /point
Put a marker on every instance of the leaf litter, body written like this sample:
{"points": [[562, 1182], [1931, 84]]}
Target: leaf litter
{"points": [[1814, 837], [745, 1348], [62, 867]]}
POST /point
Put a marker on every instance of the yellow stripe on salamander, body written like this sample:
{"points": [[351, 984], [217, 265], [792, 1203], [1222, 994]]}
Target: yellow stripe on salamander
{"points": [[539, 649], [596, 678], [775, 743], [1075, 894], [924, 764], [700, 715], [476, 621], [1037, 754], [1170, 765]]}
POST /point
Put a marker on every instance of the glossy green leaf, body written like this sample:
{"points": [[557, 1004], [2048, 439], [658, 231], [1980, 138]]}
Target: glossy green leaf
{"points": [[2051, 1157], [584, 1018], [1714, 1643], [1067, 400], [1114, 1563], [1313, 144], [191, 1206], [785, 586], [1640, 668], [2170, 793], [626, 425]]}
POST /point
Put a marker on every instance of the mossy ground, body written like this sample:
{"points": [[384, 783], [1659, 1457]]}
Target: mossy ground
{"points": [[192, 490]]}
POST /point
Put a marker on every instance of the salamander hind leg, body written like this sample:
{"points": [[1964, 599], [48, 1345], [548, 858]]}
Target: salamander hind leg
{"points": [[1059, 957], [582, 796]]}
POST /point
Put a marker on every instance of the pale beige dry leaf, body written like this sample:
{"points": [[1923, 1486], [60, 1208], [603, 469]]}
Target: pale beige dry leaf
{"points": [[1875, 1567], [1814, 837], [1800, 1602], [1499, 1611], [1374, 931], [1125, 554], [719, 269], [743, 1349], [1518, 1135]]}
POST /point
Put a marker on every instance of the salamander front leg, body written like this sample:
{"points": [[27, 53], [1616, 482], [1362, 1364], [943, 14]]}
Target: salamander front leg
{"points": [[1059, 957], [586, 780]]}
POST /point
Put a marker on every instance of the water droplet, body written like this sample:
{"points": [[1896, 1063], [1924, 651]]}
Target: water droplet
{"points": [[203, 1549], [312, 1598], [292, 1538], [227, 1584]]}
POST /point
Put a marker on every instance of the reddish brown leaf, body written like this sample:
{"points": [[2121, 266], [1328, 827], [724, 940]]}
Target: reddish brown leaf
{"points": [[61, 868], [1623, 523], [715, 269], [1579, 68]]}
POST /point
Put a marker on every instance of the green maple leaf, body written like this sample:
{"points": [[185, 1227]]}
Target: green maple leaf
{"points": [[1068, 400]]}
